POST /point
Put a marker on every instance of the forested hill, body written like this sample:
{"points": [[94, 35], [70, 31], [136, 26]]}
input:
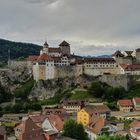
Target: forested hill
{"points": [[17, 49]]}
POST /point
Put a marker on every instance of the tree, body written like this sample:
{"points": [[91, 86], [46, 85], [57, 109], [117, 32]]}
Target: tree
{"points": [[74, 130], [116, 137], [97, 89]]}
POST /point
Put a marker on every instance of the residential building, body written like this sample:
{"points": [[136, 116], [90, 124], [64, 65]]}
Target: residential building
{"points": [[136, 102], [133, 69], [3, 135], [72, 106], [89, 113], [125, 105], [53, 122], [126, 115], [135, 130], [93, 130], [28, 130]]}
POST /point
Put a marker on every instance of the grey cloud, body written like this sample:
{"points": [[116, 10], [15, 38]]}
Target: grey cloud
{"points": [[89, 25]]}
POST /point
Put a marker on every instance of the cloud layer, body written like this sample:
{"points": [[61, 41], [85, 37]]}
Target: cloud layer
{"points": [[91, 26]]}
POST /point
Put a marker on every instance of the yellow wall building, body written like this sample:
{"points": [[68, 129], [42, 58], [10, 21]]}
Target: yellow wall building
{"points": [[83, 117]]}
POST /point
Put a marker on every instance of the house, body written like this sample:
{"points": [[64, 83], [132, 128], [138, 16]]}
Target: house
{"points": [[125, 105], [53, 122], [72, 106], [3, 135], [130, 69], [94, 128], [38, 119], [89, 113], [136, 102], [28, 130], [135, 130]]}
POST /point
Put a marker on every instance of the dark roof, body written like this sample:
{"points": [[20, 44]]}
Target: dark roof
{"points": [[118, 54], [72, 103], [96, 109], [64, 43], [99, 60], [129, 53], [46, 44], [138, 50]]}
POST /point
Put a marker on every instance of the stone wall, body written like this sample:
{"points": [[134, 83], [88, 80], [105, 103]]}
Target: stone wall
{"points": [[117, 80]]}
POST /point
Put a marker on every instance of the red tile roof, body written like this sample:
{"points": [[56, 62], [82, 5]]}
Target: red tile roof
{"points": [[56, 121], [132, 67], [125, 102], [29, 130], [137, 100], [38, 119], [135, 124], [32, 58], [97, 126], [44, 57]]}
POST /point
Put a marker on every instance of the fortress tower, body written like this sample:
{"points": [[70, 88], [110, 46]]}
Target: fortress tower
{"points": [[65, 47]]}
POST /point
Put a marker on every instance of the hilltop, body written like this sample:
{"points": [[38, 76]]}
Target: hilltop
{"points": [[18, 50]]}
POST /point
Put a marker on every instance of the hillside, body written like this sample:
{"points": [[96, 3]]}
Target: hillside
{"points": [[17, 49]]}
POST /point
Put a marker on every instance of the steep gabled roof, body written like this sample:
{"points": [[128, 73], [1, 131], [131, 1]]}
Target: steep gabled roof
{"points": [[118, 54], [64, 43], [27, 126], [56, 121], [97, 125]]}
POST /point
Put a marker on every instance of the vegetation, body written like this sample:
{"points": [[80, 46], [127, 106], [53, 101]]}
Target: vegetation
{"points": [[17, 50], [81, 95], [57, 99], [4, 95], [25, 90], [74, 130], [117, 137]]}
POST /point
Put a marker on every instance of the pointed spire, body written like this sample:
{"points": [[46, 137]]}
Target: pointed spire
{"points": [[46, 44]]}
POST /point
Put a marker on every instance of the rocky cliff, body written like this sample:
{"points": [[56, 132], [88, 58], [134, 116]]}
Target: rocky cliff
{"points": [[49, 88]]}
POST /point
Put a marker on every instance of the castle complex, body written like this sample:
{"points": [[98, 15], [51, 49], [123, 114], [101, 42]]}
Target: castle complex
{"points": [[58, 63]]}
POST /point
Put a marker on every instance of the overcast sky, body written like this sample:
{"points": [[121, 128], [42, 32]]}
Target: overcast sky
{"points": [[92, 27]]}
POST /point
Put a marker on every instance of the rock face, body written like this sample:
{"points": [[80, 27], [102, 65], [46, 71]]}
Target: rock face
{"points": [[49, 88], [10, 79]]}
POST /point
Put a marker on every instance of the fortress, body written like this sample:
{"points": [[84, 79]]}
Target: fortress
{"points": [[59, 63]]}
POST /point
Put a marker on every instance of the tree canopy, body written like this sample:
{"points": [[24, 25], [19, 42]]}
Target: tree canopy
{"points": [[74, 130]]}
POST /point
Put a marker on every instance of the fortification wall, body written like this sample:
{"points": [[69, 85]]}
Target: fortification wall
{"points": [[117, 80], [99, 71], [67, 71]]}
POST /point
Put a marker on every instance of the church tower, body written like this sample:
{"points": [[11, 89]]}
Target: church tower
{"points": [[45, 48]]}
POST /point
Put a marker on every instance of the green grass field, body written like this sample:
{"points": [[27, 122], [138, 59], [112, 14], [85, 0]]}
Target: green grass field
{"points": [[81, 95]]}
